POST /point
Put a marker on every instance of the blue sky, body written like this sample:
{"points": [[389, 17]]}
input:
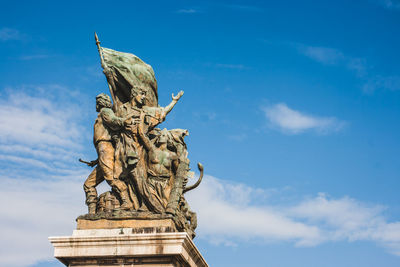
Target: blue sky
{"points": [[292, 107]]}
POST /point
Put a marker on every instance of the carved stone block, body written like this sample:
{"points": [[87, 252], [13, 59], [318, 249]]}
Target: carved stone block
{"points": [[121, 247]]}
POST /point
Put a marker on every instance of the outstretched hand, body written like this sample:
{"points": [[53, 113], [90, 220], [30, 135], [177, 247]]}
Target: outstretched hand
{"points": [[176, 98]]}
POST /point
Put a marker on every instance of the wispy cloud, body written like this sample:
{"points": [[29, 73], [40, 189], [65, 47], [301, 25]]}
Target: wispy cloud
{"points": [[34, 120], [391, 83], [225, 209], [48, 153], [349, 219], [390, 4], [324, 55], [359, 66], [40, 208], [39, 133], [205, 116], [246, 8], [187, 11], [331, 56], [9, 34], [32, 57], [40, 141], [229, 211], [234, 7], [291, 121], [237, 137], [231, 66]]}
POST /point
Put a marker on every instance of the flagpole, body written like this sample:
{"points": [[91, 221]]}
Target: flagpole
{"points": [[106, 72]]}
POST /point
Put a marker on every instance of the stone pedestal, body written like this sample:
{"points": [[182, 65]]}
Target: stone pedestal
{"points": [[126, 247], [167, 225]]}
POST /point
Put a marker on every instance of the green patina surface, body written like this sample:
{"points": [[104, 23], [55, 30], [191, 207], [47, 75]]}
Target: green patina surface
{"points": [[131, 73]]}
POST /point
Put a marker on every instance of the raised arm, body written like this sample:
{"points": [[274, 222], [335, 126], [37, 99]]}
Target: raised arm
{"points": [[171, 105]]}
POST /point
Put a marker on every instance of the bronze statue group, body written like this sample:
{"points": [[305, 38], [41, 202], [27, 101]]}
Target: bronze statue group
{"points": [[146, 167]]}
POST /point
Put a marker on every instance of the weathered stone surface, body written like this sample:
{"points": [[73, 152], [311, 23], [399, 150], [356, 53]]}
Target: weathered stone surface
{"points": [[120, 247], [165, 225], [124, 215]]}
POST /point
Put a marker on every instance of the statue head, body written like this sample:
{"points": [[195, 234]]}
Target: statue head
{"points": [[138, 95], [163, 138], [176, 141], [103, 101]]}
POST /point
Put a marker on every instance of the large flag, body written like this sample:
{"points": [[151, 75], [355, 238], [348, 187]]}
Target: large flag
{"points": [[130, 73]]}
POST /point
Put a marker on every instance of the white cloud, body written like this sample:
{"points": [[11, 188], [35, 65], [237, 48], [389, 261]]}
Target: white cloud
{"points": [[8, 34], [391, 83], [331, 56], [37, 209], [324, 55], [291, 121], [36, 120], [344, 218], [348, 219], [48, 153], [38, 132], [227, 214], [46, 201], [358, 65], [40, 180]]}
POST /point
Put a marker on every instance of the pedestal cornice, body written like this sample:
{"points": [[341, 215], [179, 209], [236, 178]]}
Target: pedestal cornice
{"points": [[121, 245]]}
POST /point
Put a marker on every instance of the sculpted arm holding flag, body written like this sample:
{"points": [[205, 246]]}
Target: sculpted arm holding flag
{"points": [[107, 72]]}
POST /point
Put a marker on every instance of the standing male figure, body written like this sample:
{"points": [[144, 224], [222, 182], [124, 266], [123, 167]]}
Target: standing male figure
{"points": [[105, 124]]}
